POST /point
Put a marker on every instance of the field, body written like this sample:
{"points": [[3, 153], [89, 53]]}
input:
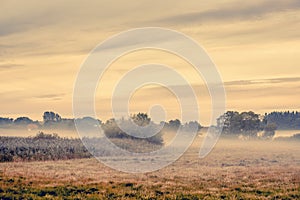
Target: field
{"points": [[233, 170]]}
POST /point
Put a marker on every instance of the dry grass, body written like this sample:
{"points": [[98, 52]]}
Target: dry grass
{"points": [[233, 170]]}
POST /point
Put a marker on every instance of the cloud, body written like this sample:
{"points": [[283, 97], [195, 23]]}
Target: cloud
{"points": [[262, 81], [241, 89], [20, 17], [9, 66], [264, 91], [230, 84], [50, 96], [248, 87], [234, 11]]}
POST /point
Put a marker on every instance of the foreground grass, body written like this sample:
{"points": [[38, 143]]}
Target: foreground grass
{"points": [[19, 188], [233, 170]]}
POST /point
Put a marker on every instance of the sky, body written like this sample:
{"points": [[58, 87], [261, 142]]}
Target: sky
{"points": [[255, 46]]}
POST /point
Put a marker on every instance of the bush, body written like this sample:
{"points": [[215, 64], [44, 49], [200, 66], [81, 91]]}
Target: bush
{"points": [[112, 130]]}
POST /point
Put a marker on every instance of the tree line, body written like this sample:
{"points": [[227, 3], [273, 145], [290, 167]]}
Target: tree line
{"points": [[246, 124], [249, 124], [284, 120], [52, 120]]}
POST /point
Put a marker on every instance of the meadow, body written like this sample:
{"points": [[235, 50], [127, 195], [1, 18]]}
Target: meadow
{"points": [[235, 169]]}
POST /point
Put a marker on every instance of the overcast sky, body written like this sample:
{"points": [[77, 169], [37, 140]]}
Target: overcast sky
{"points": [[255, 45]]}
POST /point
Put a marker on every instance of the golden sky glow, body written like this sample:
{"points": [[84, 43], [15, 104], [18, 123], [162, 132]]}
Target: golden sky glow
{"points": [[255, 45]]}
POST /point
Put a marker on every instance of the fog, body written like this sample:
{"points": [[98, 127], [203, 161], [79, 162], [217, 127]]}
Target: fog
{"points": [[73, 133], [31, 133]]}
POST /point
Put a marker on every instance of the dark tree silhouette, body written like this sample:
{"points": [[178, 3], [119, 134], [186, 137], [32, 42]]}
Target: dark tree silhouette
{"points": [[141, 119], [235, 123], [174, 124], [50, 116], [23, 121], [5, 121], [284, 120]]}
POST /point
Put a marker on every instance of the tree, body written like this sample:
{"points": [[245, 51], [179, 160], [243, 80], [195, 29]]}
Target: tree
{"points": [[231, 121], [5, 121], [235, 123], [50, 116], [269, 131], [141, 119], [112, 129], [23, 121], [174, 124], [192, 125], [250, 124]]}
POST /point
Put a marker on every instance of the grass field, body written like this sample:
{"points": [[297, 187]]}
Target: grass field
{"points": [[233, 170]]}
